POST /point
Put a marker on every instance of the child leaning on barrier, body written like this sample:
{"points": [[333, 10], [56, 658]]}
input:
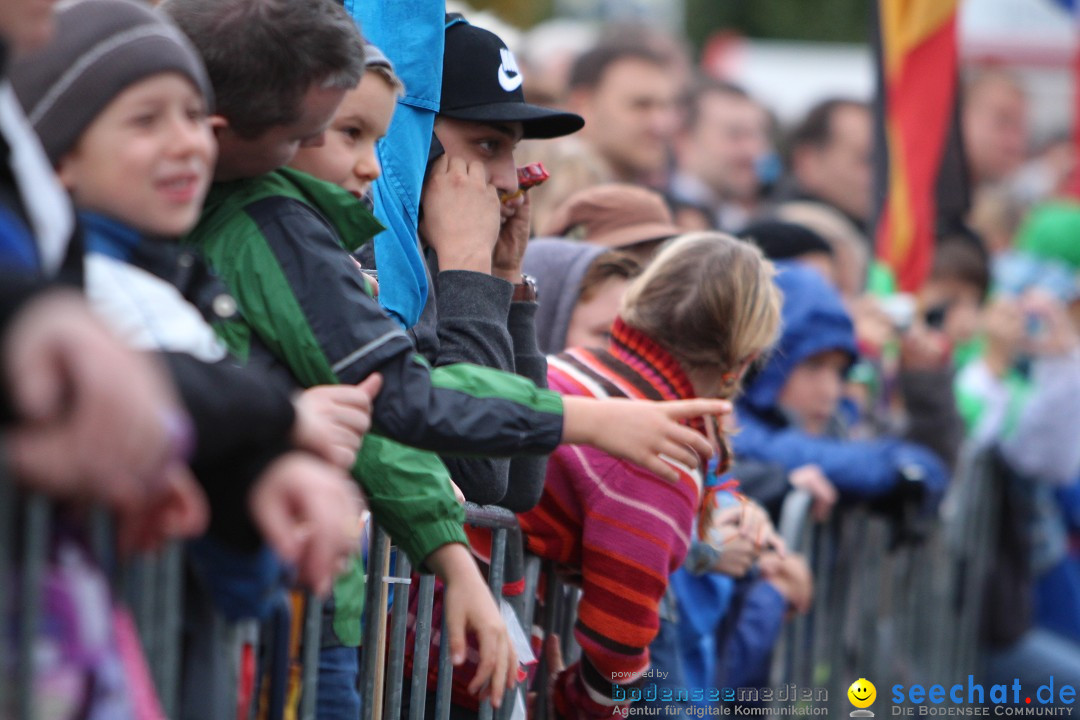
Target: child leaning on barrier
{"points": [[277, 237], [473, 307], [118, 98], [690, 326], [119, 101], [114, 445], [587, 283]]}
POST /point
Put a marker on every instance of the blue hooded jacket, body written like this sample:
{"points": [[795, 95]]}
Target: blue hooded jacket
{"points": [[815, 321], [411, 33]]}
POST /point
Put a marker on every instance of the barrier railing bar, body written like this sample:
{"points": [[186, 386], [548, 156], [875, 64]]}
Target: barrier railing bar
{"points": [[490, 516], [35, 549], [396, 658], [549, 623], [7, 537], [312, 632], [869, 597], [379, 547], [794, 528], [102, 539], [532, 582], [567, 620], [382, 563], [221, 641], [170, 611], [143, 599], [794, 518], [442, 689], [838, 605], [421, 649], [496, 575]]}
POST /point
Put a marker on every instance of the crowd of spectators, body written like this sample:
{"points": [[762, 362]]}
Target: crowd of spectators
{"points": [[266, 271]]}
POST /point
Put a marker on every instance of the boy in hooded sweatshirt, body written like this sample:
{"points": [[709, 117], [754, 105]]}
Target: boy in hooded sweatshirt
{"points": [[582, 285], [791, 412]]}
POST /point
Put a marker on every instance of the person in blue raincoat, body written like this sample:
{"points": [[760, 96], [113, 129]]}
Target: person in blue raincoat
{"points": [[790, 413]]}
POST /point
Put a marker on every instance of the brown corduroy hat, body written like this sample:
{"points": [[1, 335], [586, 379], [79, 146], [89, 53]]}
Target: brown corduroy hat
{"points": [[614, 215]]}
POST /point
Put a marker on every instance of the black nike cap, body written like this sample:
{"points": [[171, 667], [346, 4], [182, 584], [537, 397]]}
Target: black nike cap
{"points": [[482, 83]]}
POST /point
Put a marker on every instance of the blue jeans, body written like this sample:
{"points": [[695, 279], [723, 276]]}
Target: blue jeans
{"points": [[339, 671], [665, 657]]}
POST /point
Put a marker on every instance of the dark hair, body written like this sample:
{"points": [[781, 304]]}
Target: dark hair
{"points": [[815, 130], [588, 70], [262, 56], [702, 88], [961, 257], [608, 265], [780, 240]]}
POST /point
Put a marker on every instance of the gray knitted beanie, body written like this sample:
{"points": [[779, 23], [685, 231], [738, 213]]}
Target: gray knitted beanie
{"points": [[99, 49]]}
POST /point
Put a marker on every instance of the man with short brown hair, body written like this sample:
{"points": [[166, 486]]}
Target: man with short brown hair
{"points": [[830, 159], [724, 138], [628, 101]]}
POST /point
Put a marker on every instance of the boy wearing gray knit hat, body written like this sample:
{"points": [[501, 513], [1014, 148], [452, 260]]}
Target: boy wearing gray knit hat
{"points": [[119, 100], [99, 50]]}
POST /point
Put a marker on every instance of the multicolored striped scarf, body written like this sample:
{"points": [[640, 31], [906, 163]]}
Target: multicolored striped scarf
{"points": [[636, 366]]}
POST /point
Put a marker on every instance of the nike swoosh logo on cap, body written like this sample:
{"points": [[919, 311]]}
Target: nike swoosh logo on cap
{"points": [[509, 82], [509, 76]]}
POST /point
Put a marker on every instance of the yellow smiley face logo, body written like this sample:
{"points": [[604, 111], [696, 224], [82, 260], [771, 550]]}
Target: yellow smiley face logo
{"points": [[862, 693]]}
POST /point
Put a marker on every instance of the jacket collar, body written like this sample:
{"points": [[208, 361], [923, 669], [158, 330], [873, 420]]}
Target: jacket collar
{"points": [[109, 237], [354, 223]]}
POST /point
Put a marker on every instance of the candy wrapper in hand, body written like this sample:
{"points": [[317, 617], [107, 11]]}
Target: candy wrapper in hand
{"points": [[529, 176]]}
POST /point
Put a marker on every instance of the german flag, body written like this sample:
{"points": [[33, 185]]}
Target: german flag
{"points": [[917, 71]]}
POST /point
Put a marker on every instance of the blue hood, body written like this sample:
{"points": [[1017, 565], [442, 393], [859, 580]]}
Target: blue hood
{"points": [[815, 320]]}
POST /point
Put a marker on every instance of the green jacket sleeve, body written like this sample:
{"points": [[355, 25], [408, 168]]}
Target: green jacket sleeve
{"points": [[408, 490]]}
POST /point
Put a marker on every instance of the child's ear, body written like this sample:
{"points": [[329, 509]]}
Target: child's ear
{"points": [[218, 123]]}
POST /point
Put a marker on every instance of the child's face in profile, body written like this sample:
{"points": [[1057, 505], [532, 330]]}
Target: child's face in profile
{"points": [[146, 160], [348, 157], [592, 317], [814, 388]]}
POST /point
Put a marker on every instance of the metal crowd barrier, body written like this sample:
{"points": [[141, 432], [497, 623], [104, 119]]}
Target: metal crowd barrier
{"points": [[383, 658], [894, 614], [152, 588]]}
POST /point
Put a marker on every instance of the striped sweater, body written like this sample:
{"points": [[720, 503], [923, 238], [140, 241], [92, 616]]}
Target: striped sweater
{"points": [[624, 528]]}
